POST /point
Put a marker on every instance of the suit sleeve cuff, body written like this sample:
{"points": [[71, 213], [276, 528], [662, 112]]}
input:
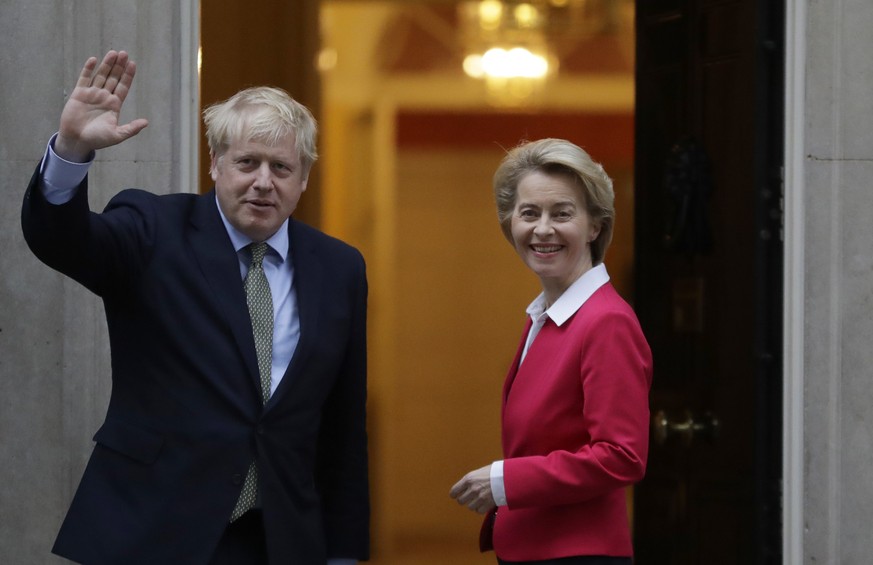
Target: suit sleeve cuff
{"points": [[498, 491]]}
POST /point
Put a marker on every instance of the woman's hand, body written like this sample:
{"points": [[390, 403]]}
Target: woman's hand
{"points": [[474, 490]]}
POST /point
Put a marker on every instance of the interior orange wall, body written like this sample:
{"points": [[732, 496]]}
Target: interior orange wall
{"points": [[607, 137]]}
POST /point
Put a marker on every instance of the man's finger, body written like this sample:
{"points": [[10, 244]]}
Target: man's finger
{"points": [[87, 72], [125, 81], [99, 78], [129, 130], [117, 71]]}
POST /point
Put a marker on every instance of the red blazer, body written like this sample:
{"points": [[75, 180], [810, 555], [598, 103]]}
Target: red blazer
{"points": [[575, 434]]}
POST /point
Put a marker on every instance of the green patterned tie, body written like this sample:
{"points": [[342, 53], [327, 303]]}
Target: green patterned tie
{"points": [[260, 303]]}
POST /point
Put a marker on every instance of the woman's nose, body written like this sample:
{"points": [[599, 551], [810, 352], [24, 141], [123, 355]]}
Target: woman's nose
{"points": [[543, 227]]}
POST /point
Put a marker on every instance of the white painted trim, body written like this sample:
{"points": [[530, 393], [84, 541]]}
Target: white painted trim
{"points": [[189, 96], [793, 282]]}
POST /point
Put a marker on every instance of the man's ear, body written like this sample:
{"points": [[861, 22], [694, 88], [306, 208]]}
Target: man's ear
{"points": [[213, 166]]}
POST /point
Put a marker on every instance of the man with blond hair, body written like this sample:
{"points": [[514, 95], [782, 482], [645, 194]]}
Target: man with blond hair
{"points": [[235, 432]]}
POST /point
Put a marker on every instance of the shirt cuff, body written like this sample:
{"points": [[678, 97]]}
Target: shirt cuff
{"points": [[60, 177], [498, 491], [342, 561]]}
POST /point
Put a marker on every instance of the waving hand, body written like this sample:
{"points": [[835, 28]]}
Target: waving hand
{"points": [[90, 117]]}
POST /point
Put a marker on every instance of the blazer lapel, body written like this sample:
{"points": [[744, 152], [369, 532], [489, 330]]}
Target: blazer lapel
{"points": [[217, 260], [308, 276], [513, 370]]}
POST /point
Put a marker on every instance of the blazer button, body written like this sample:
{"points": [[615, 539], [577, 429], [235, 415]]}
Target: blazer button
{"points": [[260, 430], [237, 479]]}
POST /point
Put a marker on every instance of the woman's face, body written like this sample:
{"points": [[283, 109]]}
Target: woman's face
{"points": [[552, 231]]}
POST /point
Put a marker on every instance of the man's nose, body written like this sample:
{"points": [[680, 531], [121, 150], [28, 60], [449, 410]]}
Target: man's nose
{"points": [[263, 177]]}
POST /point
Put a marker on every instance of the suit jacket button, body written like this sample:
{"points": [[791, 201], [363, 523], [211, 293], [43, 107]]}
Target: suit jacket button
{"points": [[237, 479], [260, 430]]}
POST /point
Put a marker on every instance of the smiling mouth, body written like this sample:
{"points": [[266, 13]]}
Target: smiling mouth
{"points": [[546, 248]]}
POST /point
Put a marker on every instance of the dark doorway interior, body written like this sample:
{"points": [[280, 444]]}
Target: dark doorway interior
{"points": [[708, 270]]}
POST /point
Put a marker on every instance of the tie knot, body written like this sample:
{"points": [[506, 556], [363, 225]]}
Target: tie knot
{"points": [[258, 251]]}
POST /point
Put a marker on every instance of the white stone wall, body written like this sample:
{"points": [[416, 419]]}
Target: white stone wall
{"points": [[838, 326], [54, 358]]}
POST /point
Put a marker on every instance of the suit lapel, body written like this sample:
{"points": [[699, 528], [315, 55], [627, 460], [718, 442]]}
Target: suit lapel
{"points": [[308, 277], [513, 370], [217, 260]]}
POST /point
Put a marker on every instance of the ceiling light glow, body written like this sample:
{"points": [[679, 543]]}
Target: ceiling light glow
{"points": [[516, 62]]}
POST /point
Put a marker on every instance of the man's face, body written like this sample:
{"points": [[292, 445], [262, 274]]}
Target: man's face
{"points": [[258, 185]]}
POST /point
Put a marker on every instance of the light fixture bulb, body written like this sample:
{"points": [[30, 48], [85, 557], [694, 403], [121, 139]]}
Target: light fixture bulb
{"points": [[490, 14], [473, 66], [516, 62], [526, 15]]}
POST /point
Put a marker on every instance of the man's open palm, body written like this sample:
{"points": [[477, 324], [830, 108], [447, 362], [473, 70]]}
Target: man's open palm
{"points": [[90, 117]]}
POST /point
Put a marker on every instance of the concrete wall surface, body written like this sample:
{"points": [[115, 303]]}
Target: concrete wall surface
{"points": [[54, 357], [838, 327]]}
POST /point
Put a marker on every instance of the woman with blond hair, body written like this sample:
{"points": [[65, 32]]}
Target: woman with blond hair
{"points": [[575, 402]]}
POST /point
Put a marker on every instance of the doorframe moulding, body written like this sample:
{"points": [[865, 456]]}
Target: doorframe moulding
{"points": [[794, 277], [189, 95]]}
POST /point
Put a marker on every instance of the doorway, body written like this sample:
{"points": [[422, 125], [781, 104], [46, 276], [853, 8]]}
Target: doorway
{"points": [[708, 272], [408, 145], [419, 141]]}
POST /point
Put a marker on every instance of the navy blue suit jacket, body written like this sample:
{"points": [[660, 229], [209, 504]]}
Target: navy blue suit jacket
{"points": [[185, 418]]}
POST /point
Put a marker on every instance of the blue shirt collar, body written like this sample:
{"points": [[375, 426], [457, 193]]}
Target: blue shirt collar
{"points": [[278, 242]]}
